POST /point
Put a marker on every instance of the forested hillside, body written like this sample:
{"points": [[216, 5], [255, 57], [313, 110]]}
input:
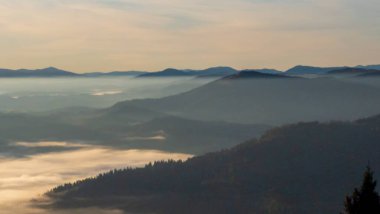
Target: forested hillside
{"points": [[300, 168]]}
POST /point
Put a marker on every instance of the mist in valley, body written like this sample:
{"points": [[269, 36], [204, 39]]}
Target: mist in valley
{"points": [[46, 94], [41, 147], [183, 107], [26, 178], [81, 127]]}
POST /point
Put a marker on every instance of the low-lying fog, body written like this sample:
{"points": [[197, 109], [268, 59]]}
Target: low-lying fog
{"points": [[32, 168], [41, 94], [26, 178]]}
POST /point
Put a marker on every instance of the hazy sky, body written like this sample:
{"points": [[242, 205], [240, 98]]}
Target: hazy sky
{"points": [[89, 35]]}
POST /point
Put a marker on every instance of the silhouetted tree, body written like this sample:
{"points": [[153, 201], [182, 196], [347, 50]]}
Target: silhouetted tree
{"points": [[364, 200]]}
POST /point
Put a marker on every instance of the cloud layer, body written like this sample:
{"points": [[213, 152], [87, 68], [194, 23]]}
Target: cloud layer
{"points": [[88, 35]]}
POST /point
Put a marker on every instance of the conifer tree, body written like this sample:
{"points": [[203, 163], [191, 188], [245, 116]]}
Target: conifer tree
{"points": [[364, 200]]}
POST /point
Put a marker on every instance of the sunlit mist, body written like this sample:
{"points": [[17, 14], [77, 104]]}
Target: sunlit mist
{"points": [[23, 179]]}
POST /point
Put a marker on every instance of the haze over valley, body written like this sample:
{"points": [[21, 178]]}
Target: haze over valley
{"points": [[183, 107], [74, 135]]}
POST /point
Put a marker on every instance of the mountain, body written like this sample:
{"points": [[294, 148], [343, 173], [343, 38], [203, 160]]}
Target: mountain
{"points": [[299, 168], [114, 74], [55, 72], [248, 74], [354, 72], [209, 72], [268, 71], [304, 70], [375, 67], [273, 100], [170, 72], [45, 72], [216, 71]]}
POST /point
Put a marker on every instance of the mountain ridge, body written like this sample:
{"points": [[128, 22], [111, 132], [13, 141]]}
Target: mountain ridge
{"points": [[218, 71], [355, 72], [44, 72], [248, 74], [304, 70]]}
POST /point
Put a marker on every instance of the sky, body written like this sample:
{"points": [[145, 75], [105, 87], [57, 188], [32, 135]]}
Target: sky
{"points": [[109, 35]]}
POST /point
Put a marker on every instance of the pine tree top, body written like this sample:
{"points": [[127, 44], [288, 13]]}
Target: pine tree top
{"points": [[364, 200]]}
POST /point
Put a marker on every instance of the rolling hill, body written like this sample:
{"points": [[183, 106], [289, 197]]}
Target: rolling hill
{"points": [[137, 129], [304, 70], [256, 98]]}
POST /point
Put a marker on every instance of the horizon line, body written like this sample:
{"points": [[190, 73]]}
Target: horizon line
{"points": [[184, 69]]}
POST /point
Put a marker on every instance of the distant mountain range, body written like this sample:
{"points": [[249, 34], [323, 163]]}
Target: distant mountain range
{"points": [[375, 67], [45, 72], [172, 72], [299, 168], [310, 70], [356, 72], [55, 72], [226, 71]]}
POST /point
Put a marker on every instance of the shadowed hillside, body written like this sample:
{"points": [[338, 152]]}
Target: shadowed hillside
{"points": [[252, 97], [300, 168], [137, 129]]}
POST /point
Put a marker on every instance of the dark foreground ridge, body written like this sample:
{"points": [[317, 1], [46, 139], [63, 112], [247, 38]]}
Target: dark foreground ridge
{"points": [[300, 168]]}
